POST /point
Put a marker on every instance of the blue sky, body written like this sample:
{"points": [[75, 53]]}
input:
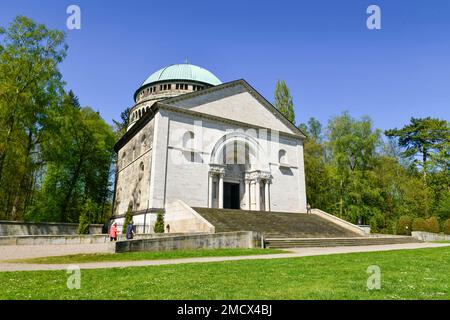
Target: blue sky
{"points": [[322, 49]]}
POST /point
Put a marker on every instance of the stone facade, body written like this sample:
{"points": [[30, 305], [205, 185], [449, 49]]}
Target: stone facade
{"points": [[221, 147], [133, 172]]}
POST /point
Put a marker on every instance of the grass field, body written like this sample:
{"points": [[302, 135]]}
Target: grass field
{"points": [[135, 256], [405, 274]]}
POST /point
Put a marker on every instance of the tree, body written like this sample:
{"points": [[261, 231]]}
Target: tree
{"points": [[30, 85], [283, 101], [85, 216], [424, 139], [351, 147], [128, 219], [78, 152], [159, 225], [317, 171], [120, 127]]}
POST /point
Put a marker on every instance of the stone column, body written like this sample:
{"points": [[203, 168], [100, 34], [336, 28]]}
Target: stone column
{"points": [[249, 184], [258, 195], [210, 190], [266, 195], [242, 199], [221, 191]]}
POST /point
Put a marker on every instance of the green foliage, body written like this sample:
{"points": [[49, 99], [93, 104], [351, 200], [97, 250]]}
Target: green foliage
{"points": [[159, 225], [54, 154], [420, 224], [377, 223], [447, 226], [30, 87], [433, 225], [85, 216], [404, 225], [128, 219], [120, 127], [283, 101], [423, 140], [351, 172], [443, 206]]}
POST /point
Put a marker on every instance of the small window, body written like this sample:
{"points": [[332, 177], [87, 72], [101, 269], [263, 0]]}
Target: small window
{"points": [[160, 87], [141, 166]]}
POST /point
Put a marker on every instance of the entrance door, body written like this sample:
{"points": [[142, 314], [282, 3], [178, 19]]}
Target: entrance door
{"points": [[231, 198]]}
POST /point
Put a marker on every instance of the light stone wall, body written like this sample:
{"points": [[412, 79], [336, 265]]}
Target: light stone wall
{"points": [[134, 172], [23, 228], [188, 181], [235, 103], [240, 239], [170, 174], [183, 219], [157, 193]]}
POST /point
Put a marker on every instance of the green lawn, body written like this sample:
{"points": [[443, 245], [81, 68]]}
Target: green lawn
{"points": [[405, 274], [134, 256]]}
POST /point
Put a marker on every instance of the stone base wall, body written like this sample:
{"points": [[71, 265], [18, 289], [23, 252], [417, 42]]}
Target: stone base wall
{"points": [[20, 228], [242, 239], [69, 239], [183, 219], [344, 224], [428, 236]]}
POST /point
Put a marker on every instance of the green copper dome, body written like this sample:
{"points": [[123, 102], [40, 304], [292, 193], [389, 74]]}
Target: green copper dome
{"points": [[184, 71]]}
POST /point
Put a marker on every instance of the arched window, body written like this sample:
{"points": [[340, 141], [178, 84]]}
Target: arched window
{"points": [[144, 141], [282, 157], [188, 143], [188, 140]]}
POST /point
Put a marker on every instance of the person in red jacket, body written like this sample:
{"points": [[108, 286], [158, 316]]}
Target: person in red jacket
{"points": [[113, 232]]}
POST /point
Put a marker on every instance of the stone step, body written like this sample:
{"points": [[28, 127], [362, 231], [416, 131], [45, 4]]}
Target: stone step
{"points": [[273, 224], [335, 242]]}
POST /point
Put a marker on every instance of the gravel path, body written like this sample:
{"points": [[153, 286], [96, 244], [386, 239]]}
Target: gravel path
{"points": [[294, 253]]}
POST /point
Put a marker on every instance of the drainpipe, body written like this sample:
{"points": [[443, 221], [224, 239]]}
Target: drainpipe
{"points": [[145, 218]]}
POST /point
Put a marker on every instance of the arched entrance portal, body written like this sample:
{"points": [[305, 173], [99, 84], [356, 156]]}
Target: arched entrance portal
{"points": [[239, 176]]}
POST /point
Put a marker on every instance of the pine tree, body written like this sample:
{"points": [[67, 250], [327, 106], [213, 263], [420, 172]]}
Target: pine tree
{"points": [[283, 101], [128, 219], [159, 225]]}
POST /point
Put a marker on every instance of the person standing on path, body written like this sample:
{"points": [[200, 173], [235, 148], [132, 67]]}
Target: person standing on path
{"points": [[130, 232], [113, 232]]}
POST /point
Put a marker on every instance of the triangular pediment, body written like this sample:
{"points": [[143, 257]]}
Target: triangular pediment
{"points": [[236, 101]]}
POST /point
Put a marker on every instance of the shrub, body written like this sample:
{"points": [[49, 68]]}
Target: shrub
{"points": [[433, 225], [419, 224], [127, 221], [377, 223], [447, 226], [404, 225], [159, 225], [84, 219], [443, 207]]}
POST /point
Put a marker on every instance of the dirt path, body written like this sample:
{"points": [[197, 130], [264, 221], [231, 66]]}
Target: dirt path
{"points": [[294, 253]]}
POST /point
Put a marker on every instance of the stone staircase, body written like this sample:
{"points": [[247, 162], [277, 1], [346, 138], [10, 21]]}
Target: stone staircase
{"points": [[284, 242], [274, 224]]}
